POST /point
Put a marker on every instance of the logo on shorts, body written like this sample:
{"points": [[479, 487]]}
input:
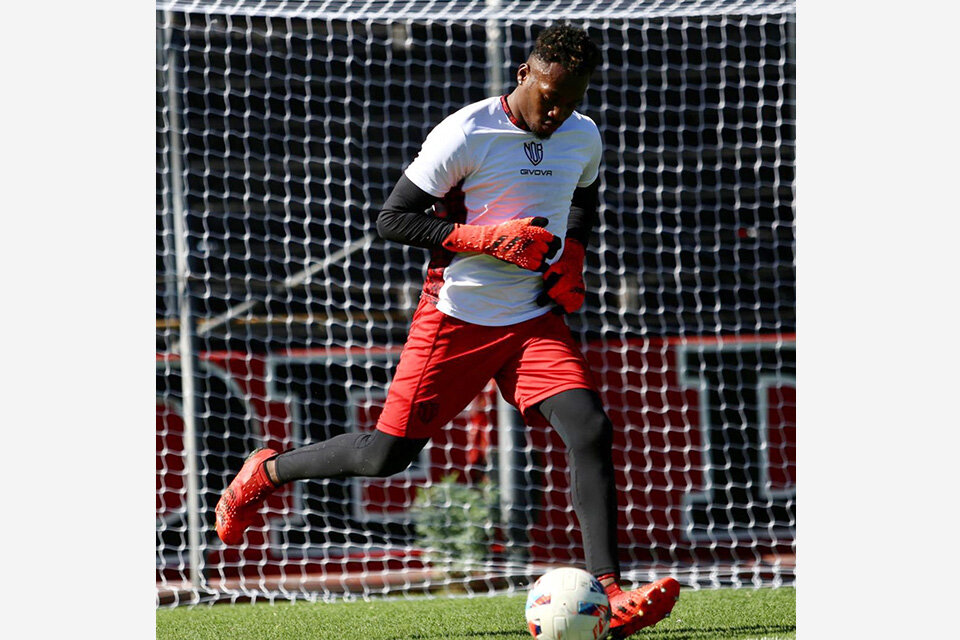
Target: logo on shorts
{"points": [[534, 151], [427, 411]]}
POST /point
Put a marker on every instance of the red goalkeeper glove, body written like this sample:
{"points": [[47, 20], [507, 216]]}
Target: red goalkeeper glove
{"points": [[563, 281], [522, 242]]}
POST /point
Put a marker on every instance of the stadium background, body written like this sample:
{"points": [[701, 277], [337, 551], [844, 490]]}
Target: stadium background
{"points": [[280, 130]]}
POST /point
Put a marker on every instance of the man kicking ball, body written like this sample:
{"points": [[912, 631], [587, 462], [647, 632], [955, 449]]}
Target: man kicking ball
{"points": [[512, 175]]}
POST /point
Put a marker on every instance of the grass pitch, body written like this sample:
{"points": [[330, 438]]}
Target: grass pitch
{"points": [[765, 614]]}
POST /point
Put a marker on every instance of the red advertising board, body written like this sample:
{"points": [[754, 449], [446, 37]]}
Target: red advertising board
{"points": [[669, 400]]}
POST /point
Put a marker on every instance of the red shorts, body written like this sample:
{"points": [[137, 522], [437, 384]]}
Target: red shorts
{"points": [[447, 362]]}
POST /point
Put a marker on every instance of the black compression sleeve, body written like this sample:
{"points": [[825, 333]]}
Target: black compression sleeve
{"points": [[584, 212], [403, 220]]}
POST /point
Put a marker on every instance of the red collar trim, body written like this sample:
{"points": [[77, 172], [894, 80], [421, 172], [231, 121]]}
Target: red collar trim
{"points": [[513, 118]]}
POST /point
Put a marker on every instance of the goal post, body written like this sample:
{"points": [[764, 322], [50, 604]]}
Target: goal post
{"points": [[281, 128]]}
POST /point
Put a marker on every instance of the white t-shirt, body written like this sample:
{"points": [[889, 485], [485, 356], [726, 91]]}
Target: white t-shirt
{"points": [[506, 173]]}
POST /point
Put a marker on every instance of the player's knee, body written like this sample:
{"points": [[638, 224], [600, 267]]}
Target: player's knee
{"points": [[595, 433], [388, 455], [385, 466]]}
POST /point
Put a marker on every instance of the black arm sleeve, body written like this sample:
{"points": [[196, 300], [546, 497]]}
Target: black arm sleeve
{"points": [[403, 218], [584, 212]]}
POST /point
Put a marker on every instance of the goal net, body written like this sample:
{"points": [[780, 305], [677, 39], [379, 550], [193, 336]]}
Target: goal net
{"points": [[281, 129]]}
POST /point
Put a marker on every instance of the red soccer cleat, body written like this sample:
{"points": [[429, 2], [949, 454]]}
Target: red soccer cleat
{"points": [[640, 608], [238, 506]]}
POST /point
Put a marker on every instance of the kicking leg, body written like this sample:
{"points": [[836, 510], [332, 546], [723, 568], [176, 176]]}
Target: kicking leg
{"points": [[373, 454], [579, 418]]}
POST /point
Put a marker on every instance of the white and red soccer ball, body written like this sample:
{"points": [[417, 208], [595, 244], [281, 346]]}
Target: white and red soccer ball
{"points": [[567, 604]]}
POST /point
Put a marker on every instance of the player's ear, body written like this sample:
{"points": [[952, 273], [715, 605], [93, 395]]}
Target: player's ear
{"points": [[522, 72]]}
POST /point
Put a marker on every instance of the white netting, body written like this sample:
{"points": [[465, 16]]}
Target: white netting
{"points": [[390, 10], [282, 127]]}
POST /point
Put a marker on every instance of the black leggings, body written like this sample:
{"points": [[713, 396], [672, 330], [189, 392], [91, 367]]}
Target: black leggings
{"points": [[371, 455], [578, 417]]}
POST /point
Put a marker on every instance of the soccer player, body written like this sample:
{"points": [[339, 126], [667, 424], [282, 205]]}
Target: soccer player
{"points": [[510, 176]]}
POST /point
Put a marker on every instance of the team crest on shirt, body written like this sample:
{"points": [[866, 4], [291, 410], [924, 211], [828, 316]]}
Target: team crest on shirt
{"points": [[534, 151]]}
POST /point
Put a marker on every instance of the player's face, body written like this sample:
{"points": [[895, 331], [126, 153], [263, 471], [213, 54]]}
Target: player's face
{"points": [[548, 95]]}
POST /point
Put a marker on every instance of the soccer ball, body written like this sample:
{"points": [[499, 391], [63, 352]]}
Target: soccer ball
{"points": [[568, 604]]}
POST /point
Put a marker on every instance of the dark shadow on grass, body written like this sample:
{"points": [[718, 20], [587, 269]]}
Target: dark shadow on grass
{"points": [[478, 634], [729, 632], [672, 634]]}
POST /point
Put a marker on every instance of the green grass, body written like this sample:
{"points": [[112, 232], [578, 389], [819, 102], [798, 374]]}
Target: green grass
{"points": [[729, 614]]}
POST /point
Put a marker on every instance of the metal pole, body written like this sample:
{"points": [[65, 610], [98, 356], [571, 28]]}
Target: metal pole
{"points": [[505, 414], [169, 255], [186, 318], [505, 442], [510, 428], [514, 477], [494, 52]]}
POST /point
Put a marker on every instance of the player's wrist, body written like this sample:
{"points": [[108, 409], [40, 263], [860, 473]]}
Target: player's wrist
{"points": [[573, 250], [467, 238]]}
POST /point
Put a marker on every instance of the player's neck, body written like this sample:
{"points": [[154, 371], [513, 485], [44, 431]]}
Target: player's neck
{"points": [[513, 103]]}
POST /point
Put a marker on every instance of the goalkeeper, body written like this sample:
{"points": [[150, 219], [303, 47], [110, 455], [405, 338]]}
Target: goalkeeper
{"points": [[508, 177]]}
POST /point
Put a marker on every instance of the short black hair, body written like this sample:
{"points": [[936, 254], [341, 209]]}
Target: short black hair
{"points": [[570, 47]]}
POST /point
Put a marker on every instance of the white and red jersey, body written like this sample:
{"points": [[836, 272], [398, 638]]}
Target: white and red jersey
{"points": [[505, 173]]}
